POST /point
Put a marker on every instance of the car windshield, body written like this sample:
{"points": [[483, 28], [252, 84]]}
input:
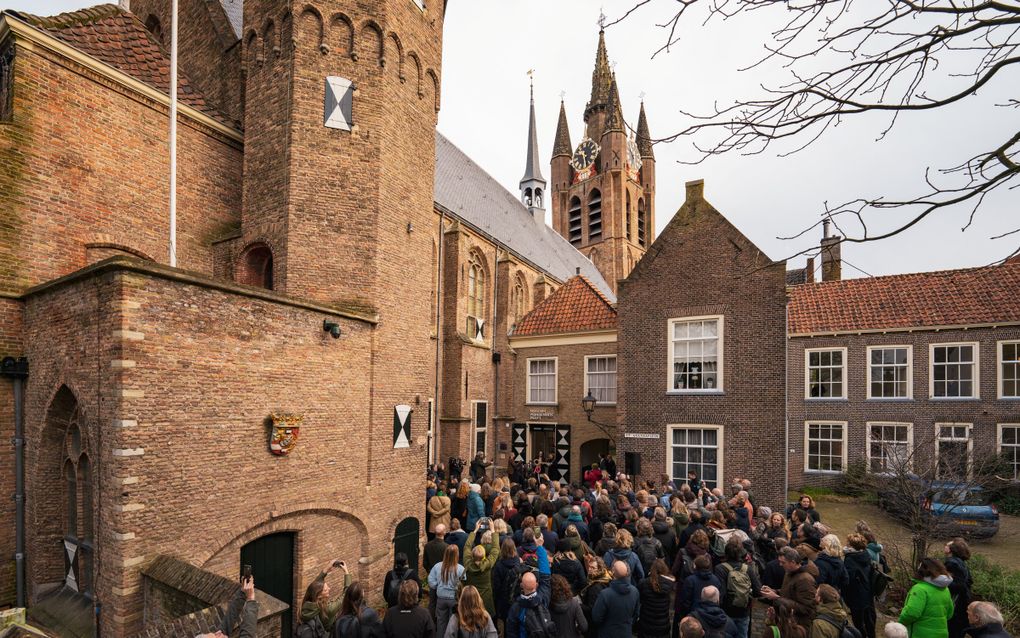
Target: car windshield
{"points": [[959, 497]]}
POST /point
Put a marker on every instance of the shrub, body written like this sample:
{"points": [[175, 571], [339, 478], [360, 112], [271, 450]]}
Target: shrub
{"points": [[999, 585], [855, 480]]}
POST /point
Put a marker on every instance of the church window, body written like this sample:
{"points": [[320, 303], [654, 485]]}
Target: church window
{"points": [[7, 84], [626, 220], [518, 299], [594, 215], [476, 299], [642, 232], [574, 221]]}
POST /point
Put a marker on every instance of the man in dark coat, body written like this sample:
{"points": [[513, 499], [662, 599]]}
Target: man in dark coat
{"points": [[985, 621], [858, 595], [713, 619], [535, 592], [618, 606], [798, 588]]}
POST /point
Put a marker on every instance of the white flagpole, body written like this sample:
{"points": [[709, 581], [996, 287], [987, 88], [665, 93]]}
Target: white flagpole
{"points": [[173, 133]]}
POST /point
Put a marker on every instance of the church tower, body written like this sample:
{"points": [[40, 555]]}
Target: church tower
{"points": [[533, 184], [604, 188]]}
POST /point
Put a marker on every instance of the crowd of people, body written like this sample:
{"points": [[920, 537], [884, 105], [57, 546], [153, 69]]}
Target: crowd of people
{"points": [[524, 556]]}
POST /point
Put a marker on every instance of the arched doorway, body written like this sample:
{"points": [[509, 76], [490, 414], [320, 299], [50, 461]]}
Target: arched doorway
{"points": [[255, 267], [271, 558], [590, 451], [405, 539]]}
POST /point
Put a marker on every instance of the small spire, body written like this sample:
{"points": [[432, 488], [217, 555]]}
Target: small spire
{"points": [[614, 113], [602, 76], [562, 144], [532, 169], [644, 137]]}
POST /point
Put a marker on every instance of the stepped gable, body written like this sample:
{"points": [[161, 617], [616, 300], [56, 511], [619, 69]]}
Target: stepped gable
{"points": [[577, 306], [971, 296], [118, 38]]}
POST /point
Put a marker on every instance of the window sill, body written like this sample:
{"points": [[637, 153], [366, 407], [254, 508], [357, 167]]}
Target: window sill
{"points": [[710, 393], [954, 398], [1008, 398], [891, 400], [543, 405], [825, 472], [826, 399]]}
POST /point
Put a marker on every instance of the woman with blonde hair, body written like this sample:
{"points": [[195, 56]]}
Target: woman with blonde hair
{"points": [[831, 570], [471, 621], [622, 552], [443, 579]]}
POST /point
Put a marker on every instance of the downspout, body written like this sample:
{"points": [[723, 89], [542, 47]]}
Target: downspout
{"points": [[786, 401], [17, 370], [495, 360], [439, 340]]}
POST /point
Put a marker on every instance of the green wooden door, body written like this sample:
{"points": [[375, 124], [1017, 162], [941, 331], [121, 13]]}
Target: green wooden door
{"points": [[272, 564]]}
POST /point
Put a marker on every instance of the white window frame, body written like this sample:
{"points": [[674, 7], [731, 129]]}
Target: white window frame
{"points": [[556, 381], [970, 444], [616, 373], [1001, 382], [976, 376], [998, 443], [807, 442], [807, 375], [910, 372], [910, 440], [431, 431], [720, 447], [720, 367], [475, 428]]}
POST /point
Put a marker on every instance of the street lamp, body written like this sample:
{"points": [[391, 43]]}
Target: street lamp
{"points": [[588, 403]]}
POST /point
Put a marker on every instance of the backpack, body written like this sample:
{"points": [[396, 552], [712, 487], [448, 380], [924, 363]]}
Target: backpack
{"points": [[311, 629], [393, 592], [647, 550], [846, 630], [513, 587], [738, 586], [538, 623], [879, 579]]}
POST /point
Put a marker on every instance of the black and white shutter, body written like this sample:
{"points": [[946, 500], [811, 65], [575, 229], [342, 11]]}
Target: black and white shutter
{"points": [[402, 426], [519, 442], [561, 469]]}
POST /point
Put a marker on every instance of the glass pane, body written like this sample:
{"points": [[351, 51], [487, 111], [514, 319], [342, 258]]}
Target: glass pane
{"points": [[695, 330], [901, 356], [876, 356], [680, 330], [940, 355], [711, 437], [711, 328], [813, 359], [837, 357]]}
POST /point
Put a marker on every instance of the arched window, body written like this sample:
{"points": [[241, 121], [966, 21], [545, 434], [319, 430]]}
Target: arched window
{"points": [[154, 27], [255, 267], [626, 219], [518, 299], [476, 298], [538, 198], [594, 216], [574, 221], [641, 219], [527, 197], [65, 426]]}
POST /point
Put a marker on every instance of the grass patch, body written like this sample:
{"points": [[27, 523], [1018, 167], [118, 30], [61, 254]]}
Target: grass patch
{"points": [[999, 585]]}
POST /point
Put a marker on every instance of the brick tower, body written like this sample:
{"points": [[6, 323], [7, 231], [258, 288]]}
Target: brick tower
{"points": [[603, 191]]}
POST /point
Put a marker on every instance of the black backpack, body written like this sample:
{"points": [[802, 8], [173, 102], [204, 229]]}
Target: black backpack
{"points": [[311, 629], [513, 582], [647, 550], [394, 589], [538, 623], [846, 630]]}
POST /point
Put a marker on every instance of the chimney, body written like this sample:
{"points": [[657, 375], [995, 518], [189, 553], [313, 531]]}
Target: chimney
{"points": [[695, 190], [832, 263], [809, 271], [125, 4]]}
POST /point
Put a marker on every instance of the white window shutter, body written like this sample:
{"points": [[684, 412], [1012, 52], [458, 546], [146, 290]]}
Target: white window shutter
{"points": [[339, 103]]}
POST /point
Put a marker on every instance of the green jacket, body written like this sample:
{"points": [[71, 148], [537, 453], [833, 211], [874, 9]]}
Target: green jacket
{"points": [[928, 608], [328, 615], [822, 628], [479, 573]]}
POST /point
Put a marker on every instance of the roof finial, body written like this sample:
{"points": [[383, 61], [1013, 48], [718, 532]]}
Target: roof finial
{"points": [[531, 78], [563, 95], [602, 18], [641, 96]]}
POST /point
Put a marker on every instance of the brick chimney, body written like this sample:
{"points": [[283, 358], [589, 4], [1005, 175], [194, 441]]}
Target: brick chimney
{"points": [[809, 271], [832, 263]]}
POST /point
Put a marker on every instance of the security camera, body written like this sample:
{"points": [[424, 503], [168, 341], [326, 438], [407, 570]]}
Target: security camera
{"points": [[332, 327]]}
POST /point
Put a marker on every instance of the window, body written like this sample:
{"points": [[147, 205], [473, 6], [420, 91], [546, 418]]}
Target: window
{"points": [[826, 447], [626, 222], [696, 352], [952, 451], [826, 371], [889, 446], [432, 431], [7, 84], [476, 299], [954, 370], [542, 381], [1009, 446], [889, 372], [518, 299], [641, 234], [574, 221], [600, 378], [595, 216], [1009, 369], [480, 421], [696, 448]]}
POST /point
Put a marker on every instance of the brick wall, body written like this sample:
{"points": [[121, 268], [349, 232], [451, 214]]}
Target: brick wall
{"points": [[923, 412], [702, 265]]}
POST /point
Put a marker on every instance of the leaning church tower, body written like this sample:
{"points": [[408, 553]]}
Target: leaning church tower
{"points": [[603, 189]]}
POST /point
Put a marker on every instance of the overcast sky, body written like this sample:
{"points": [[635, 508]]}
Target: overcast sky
{"points": [[491, 44]]}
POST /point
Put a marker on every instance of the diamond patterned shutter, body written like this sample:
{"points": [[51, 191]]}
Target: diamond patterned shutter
{"points": [[339, 103]]}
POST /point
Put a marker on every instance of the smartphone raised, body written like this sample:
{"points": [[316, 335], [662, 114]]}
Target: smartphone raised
{"points": [[246, 572]]}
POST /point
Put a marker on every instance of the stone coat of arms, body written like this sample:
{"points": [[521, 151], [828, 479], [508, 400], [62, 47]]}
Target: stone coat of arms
{"points": [[285, 433]]}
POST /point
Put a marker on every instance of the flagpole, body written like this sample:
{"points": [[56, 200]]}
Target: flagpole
{"points": [[173, 133]]}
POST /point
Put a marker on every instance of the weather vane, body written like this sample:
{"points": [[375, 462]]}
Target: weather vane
{"points": [[563, 94], [602, 18], [642, 96]]}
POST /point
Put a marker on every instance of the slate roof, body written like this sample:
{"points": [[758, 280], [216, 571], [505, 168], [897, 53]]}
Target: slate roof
{"points": [[118, 38], [235, 14], [463, 188], [796, 276], [972, 296], [577, 306]]}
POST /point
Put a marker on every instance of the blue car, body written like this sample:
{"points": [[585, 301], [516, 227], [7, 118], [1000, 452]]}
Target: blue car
{"points": [[952, 508]]}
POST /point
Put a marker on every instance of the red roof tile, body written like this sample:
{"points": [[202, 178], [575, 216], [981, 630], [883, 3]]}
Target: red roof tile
{"points": [[577, 306], [118, 38], [929, 299]]}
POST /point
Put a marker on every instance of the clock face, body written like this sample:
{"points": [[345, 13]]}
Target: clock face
{"points": [[585, 154], [633, 155]]}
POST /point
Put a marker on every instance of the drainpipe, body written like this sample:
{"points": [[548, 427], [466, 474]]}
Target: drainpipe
{"points": [[786, 402], [17, 370], [494, 430], [439, 343]]}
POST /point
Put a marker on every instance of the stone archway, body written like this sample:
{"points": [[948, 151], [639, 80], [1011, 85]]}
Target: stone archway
{"points": [[590, 451]]}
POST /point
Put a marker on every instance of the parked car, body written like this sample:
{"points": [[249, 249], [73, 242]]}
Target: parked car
{"points": [[952, 508]]}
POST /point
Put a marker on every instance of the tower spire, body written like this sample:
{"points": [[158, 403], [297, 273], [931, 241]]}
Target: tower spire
{"points": [[601, 77], [644, 137], [532, 184], [614, 112], [562, 145]]}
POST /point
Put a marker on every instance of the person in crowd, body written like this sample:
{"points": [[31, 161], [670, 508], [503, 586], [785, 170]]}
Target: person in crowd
{"points": [[692, 586], [242, 616], [318, 611], [504, 577], [740, 585], [439, 510], [655, 593], [566, 610], [858, 594], [831, 615], [408, 619], [533, 600], [357, 619], [608, 540], [773, 574], [619, 605], [693, 527], [598, 579], [781, 622], [985, 621], [500, 529], [683, 566], [456, 535], [471, 619], [475, 505], [806, 504], [831, 570], [435, 548], [566, 564], [679, 515], [610, 467], [478, 467], [664, 532], [929, 605], [957, 553], [798, 590], [743, 511], [458, 502], [776, 527], [690, 627], [549, 537], [395, 577], [479, 562], [575, 542], [646, 546], [444, 579], [895, 630], [593, 475], [694, 482], [712, 617], [622, 552]]}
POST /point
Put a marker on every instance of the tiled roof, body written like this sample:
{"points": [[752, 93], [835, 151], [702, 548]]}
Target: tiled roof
{"points": [[929, 299], [796, 276], [463, 188], [577, 306], [118, 38]]}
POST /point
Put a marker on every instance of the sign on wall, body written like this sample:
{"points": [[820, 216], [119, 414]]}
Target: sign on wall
{"points": [[339, 103]]}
